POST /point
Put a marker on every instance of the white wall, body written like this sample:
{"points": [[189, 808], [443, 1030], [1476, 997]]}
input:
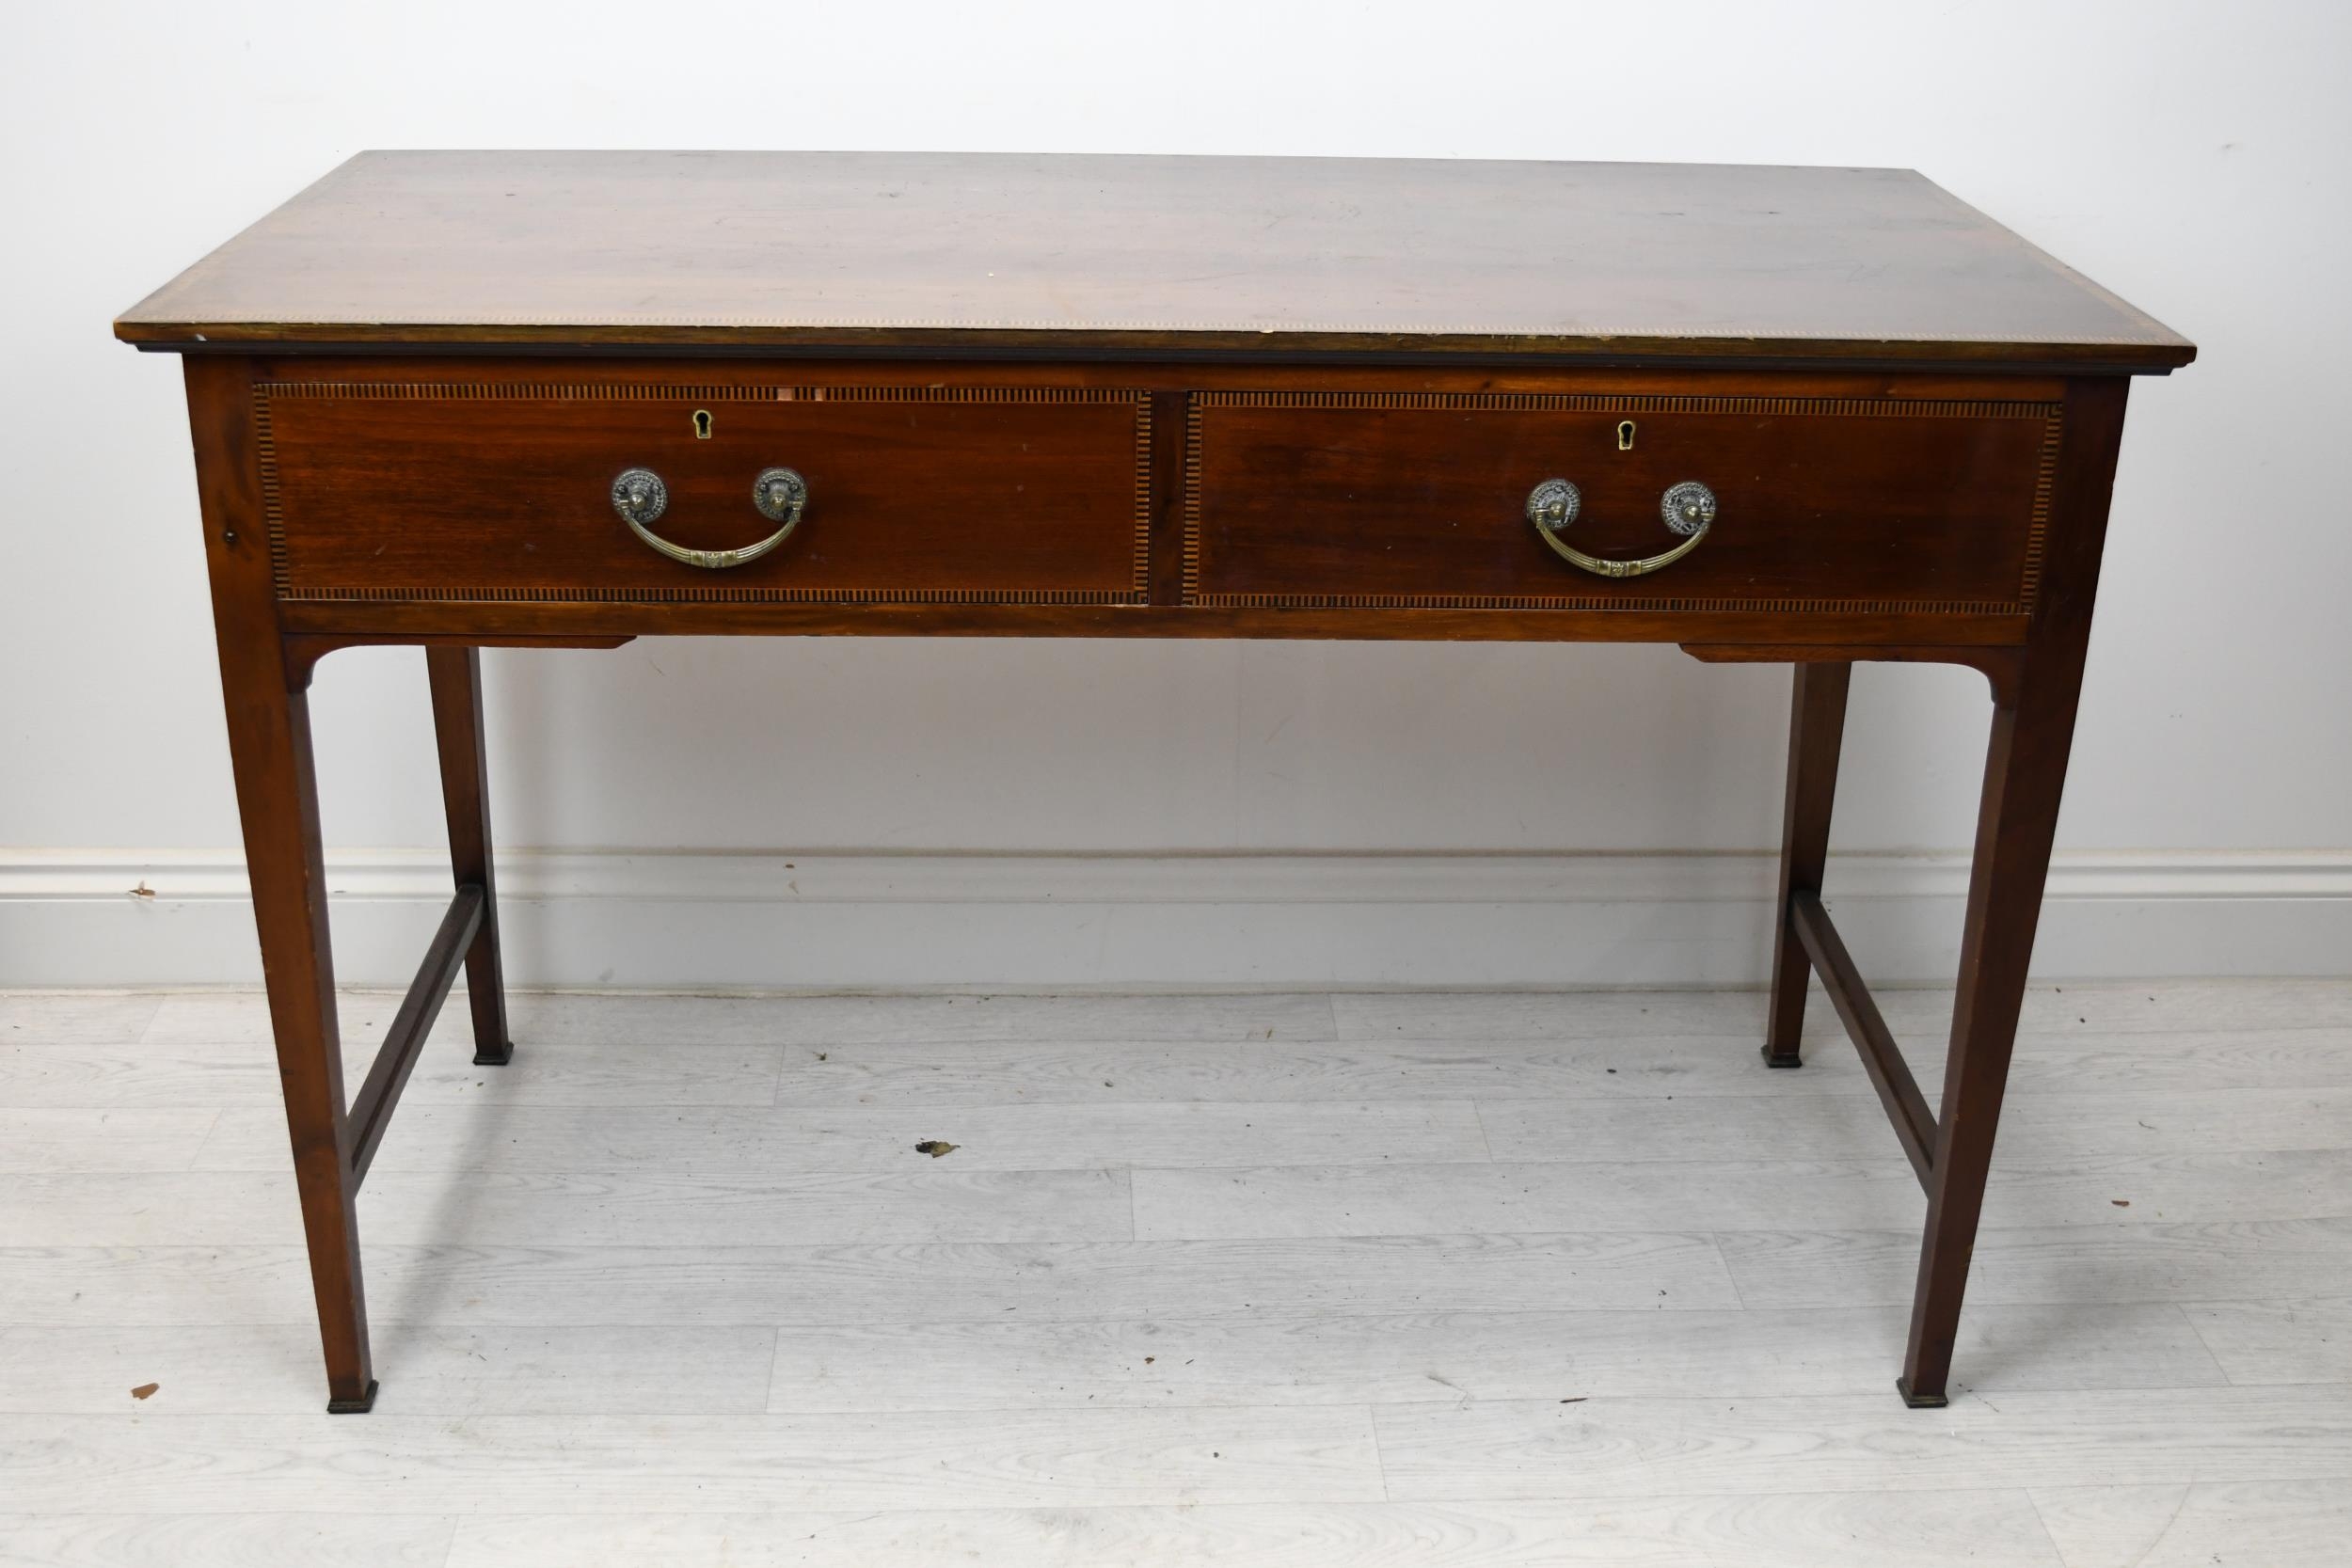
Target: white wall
{"points": [[2193, 157]]}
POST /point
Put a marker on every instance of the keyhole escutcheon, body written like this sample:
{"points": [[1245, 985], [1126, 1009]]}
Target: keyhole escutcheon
{"points": [[1625, 434], [702, 424]]}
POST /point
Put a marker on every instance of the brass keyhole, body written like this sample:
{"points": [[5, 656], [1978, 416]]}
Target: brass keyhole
{"points": [[702, 424], [1625, 436]]}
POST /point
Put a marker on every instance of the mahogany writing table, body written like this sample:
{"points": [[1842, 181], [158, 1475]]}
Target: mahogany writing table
{"points": [[560, 400]]}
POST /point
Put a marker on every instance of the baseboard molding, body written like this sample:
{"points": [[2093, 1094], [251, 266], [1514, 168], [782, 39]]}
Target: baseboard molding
{"points": [[1025, 921]]}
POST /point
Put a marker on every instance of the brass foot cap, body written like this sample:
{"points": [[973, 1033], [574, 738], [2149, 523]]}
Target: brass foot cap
{"points": [[359, 1406], [1919, 1401]]}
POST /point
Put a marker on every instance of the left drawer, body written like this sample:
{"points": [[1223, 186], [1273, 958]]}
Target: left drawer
{"points": [[499, 489]]}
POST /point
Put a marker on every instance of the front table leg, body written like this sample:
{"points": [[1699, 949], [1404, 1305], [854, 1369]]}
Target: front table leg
{"points": [[2025, 771], [269, 743], [278, 803]]}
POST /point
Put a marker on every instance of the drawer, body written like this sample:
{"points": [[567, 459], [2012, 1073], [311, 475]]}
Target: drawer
{"points": [[1821, 505], [492, 490]]}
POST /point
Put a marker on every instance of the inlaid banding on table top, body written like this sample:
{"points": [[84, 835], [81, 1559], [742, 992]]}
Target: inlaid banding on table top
{"points": [[784, 328], [687, 394], [2050, 413]]}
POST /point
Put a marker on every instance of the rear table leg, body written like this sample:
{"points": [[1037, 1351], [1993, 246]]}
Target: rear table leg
{"points": [[1816, 727], [455, 675]]}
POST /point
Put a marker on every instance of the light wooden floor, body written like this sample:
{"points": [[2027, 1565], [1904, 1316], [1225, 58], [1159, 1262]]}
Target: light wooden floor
{"points": [[1250, 1280]]}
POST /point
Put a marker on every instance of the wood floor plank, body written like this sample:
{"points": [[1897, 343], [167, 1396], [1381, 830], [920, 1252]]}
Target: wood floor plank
{"points": [[1549, 1015], [710, 1140], [1330, 1359], [842, 1283], [1096, 1072], [653, 1207], [430, 1368], [2104, 1007], [2302, 1340], [241, 1016], [2033, 1126], [2252, 1523], [2239, 1260], [133, 1140], [1508, 1198], [1737, 1195], [560, 1070], [1984, 1530], [1608, 1447], [72, 1017], [628, 1018], [721, 1463], [223, 1540], [2227, 1004], [1617, 1067], [2195, 1060], [825, 1021], [244, 1072]]}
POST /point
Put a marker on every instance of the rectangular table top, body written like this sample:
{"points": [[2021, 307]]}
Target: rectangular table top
{"points": [[1097, 255]]}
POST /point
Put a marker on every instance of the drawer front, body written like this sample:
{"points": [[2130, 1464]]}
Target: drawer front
{"points": [[1418, 500], [489, 491]]}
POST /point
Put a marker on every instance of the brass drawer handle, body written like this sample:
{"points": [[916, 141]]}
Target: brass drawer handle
{"points": [[641, 497], [1687, 508]]}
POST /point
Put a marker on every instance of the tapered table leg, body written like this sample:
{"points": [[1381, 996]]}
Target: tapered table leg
{"points": [[2025, 774], [278, 803], [269, 743], [1816, 729], [456, 676]]}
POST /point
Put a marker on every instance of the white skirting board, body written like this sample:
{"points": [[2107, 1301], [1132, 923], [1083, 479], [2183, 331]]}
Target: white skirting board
{"points": [[1028, 921]]}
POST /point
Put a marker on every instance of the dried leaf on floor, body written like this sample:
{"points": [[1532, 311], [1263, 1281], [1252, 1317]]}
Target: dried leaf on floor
{"points": [[144, 1391]]}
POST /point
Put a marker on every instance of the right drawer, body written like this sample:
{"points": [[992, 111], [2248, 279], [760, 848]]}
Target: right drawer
{"points": [[1541, 501]]}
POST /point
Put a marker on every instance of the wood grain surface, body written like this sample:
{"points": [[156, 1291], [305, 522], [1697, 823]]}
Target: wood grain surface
{"points": [[1254, 256]]}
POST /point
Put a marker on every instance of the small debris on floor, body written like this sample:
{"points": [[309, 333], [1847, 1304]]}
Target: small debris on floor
{"points": [[1579, 1399], [2121, 1202], [1149, 1359], [820, 1056], [145, 1390], [934, 1147], [142, 890]]}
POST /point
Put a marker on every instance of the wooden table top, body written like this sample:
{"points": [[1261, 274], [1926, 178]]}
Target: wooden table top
{"points": [[1088, 255]]}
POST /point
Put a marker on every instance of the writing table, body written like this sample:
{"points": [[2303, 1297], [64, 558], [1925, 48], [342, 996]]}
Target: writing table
{"points": [[1806, 416]]}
